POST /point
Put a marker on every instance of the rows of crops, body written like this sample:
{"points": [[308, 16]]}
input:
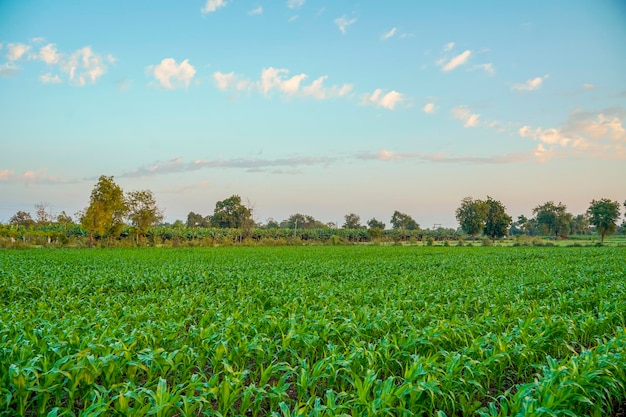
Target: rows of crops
{"points": [[313, 331]]}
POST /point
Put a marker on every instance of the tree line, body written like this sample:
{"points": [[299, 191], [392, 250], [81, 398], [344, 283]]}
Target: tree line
{"points": [[113, 214]]}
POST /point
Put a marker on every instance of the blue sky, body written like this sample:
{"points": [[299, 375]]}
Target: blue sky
{"points": [[313, 106]]}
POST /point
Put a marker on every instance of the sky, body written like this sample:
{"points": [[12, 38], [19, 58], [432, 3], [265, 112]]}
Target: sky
{"points": [[320, 107]]}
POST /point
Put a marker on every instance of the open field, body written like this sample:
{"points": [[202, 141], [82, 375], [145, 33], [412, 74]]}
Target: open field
{"points": [[313, 331]]}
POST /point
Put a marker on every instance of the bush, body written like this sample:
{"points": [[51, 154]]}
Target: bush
{"points": [[430, 241], [487, 242]]}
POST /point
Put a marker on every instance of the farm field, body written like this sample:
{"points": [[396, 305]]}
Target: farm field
{"points": [[313, 331]]}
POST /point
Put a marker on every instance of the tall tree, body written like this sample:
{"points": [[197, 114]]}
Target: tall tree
{"points": [[375, 224], [302, 221], [231, 213], [497, 222], [106, 210], [22, 218], [352, 221], [472, 216], [552, 218], [43, 216], [196, 220], [143, 211], [603, 214], [579, 225], [403, 221]]}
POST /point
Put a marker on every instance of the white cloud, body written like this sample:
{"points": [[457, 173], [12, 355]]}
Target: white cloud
{"points": [[277, 79], [212, 5], [31, 177], [8, 69], [429, 108], [171, 75], [258, 10], [458, 60], [531, 84], [384, 154], [542, 154], [6, 174], [601, 127], [488, 68], [343, 22], [230, 81], [49, 55], [448, 46], [463, 114], [548, 136], [50, 79], [295, 4], [389, 34], [271, 78], [84, 65], [589, 87], [387, 101], [17, 50], [317, 90], [600, 135]]}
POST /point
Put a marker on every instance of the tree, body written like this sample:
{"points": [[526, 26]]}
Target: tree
{"points": [[352, 221], [230, 213], [271, 224], [302, 221], [497, 221], [403, 221], [196, 220], [553, 219], [22, 218], [472, 215], [64, 219], [143, 211], [43, 216], [375, 224], [106, 210], [603, 214], [579, 225]]}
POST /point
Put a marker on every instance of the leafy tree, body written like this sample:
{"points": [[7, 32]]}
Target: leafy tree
{"points": [[143, 211], [375, 224], [472, 215], [64, 219], [106, 210], [579, 225], [497, 221], [302, 221], [352, 221], [22, 218], [521, 226], [196, 220], [272, 224], [603, 214], [553, 219], [403, 221], [231, 213]]}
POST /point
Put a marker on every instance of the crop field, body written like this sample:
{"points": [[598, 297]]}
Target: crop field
{"points": [[313, 331]]}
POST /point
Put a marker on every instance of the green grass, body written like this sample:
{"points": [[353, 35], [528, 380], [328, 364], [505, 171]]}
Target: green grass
{"points": [[315, 331]]}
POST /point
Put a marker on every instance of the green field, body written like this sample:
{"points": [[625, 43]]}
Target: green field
{"points": [[313, 331]]}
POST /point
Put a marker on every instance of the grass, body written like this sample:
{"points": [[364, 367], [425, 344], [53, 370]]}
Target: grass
{"points": [[315, 331]]}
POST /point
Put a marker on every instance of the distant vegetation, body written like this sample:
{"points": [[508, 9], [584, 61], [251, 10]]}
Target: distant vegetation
{"points": [[116, 218]]}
